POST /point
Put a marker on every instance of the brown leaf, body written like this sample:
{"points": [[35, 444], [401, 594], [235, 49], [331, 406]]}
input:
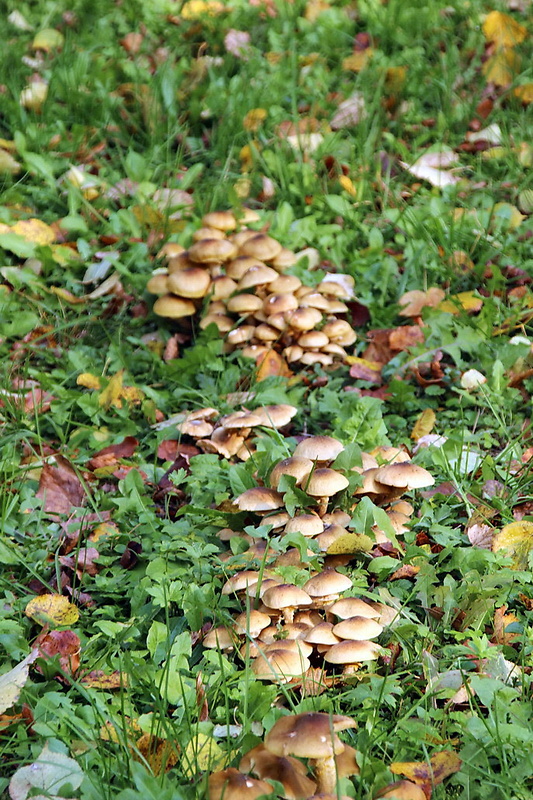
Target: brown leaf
{"points": [[406, 336], [132, 42], [60, 487], [160, 754], [272, 364], [98, 679], [110, 455], [428, 774], [82, 561], [365, 370], [65, 644], [407, 571], [413, 302], [501, 622], [130, 555]]}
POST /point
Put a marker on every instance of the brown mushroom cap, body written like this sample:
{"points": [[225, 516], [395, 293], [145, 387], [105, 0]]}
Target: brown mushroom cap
{"points": [[321, 634], [251, 622], [240, 419], [353, 607], [198, 428], [404, 475], [223, 287], [325, 482], [212, 251], [170, 250], [276, 416], [207, 233], [340, 331], [313, 340], [261, 246], [259, 498], [286, 595], [230, 784], [280, 665], [295, 466], [173, 307], [284, 283], [319, 448], [327, 583], [306, 524], [403, 790], [158, 283], [240, 265], [219, 638], [303, 319], [192, 282], [313, 357], [258, 275], [222, 322], [357, 629], [279, 303], [244, 304], [286, 770], [351, 652], [308, 735], [221, 220], [241, 581]]}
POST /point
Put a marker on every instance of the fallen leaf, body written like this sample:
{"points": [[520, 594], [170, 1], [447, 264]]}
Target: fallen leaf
{"points": [[516, 540], [405, 336], [254, 118], [524, 92], [160, 754], [34, 230], [48, 39], [429, 774], [34, 96], [414, 301], [65, 644], [60, 487], [201, 754], [12, 682], [406, 571], [502, 30], [430, 167], [424, 424], [501, 622], [271, 363], [8, 164], [98, 679], [364, 370], [53, 610], [463, 301], [48, 773], [89, 381], [196, 9], [502, 67], [481, 535], [350, 112], [357, 60]]}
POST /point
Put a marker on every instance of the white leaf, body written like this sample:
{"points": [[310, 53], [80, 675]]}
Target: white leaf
{"points": [[49, 773], [11, 682], [349, 113]]}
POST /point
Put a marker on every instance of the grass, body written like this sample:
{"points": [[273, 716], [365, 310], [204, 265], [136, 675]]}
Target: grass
{"points": [[173, 114]]}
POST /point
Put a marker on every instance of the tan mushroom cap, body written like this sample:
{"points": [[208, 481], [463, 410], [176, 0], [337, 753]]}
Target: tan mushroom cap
{"points": [[277, 520], [353, 607], [295, 645], [286, 595], [240, 419], [337, 517], [315, 300], [325, 482], [170, 250], [241, 581], [293, 353], [221, 220], [276, 416], [242, 236], [306, 524], [158, 283], [230, 784], [222, 322], [313, 340], [258, 275], [357, 628], [207, 233], [265, 333], [313, 357], [403, 790], [281, 635], [284, 259], [240, 335], [191, 282], [321, 634], [251, 623], [219, 638], [280, 303], [198, 428], [334, 289], [288, 771], [284, 283], [223, 287], [239, 266], [173, 307], [259, 498], [303, 319], [280, 665], [308, 735], [340, 331], [295, 466], [351, 652], [405, 475], [179, 262], [390, 455], [346, 762], [261, 246], [327, 583], [244, 304], [212, 251], [319, 448]]}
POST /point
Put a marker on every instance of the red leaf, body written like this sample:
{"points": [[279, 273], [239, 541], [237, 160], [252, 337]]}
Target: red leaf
{"points": [[60, 487]]}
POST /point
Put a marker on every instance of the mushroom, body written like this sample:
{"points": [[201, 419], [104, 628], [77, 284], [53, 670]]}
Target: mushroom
{"points": [[403, 790], [323, 484], [313, 736], [259, 499], [286, 770], [325, 587], [286, 598], [350, 654], [280, 665], [357, 629], [230, 784], [319, 448]]}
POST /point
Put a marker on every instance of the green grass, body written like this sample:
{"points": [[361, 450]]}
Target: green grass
{"points": [[172, 116]]}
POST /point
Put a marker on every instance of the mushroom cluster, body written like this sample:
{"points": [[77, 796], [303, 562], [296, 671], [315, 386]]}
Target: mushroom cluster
{"points": [[236, 275], [312, 736], [231, 435]]}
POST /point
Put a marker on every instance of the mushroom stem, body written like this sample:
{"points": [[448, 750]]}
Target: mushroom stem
{"points": [[326, 775], [288, 614], [322, 506]]}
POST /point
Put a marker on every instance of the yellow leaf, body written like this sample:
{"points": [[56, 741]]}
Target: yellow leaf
{"points": [[358, 60], [67, 296], [494, 153], [464, 301], [160, 754], [350, 543], [516, 540], [438, 768], [34, 95], [48, 39], [34, 230], [502, 67], [8, 164], [502, 30], [113, 392], [524, 92], [424, 424], [510, 213], [132, 394], [347, 185], [89, 380], [195, 9], [395, 79], [253, 120], [271, 363], [53, 610], [11, 682], [203, 754]]}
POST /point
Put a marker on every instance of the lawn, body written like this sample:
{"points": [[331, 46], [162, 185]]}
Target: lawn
{"points": [[161, 399]]}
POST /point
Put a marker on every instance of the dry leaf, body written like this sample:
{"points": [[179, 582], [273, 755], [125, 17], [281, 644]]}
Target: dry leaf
{"points": [[501, 622], [12, 682], [160, 754], [463, 301], [53, 610], [480, 535], [98, 679], [271, 363], [424, 424], [430, 167], [350, 112], [516, 540], [414, 301], [8, 164], [201, 754], [60, 487], [440, 766], [48, 774], [365, 370], [34, 96], [65, 644], [34, 230], [358, 60], [406, 336], [502, 67], [502, 30], [524, 92]]}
